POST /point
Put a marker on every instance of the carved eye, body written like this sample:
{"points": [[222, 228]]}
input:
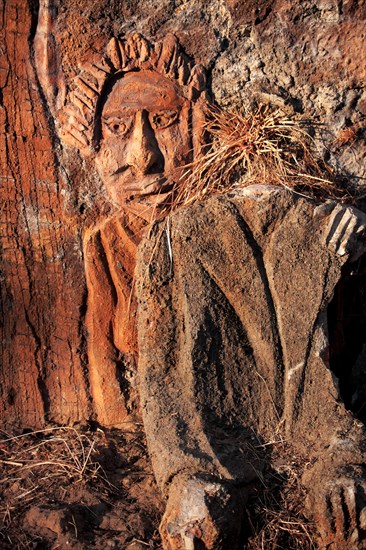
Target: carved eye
{"points": [[117, 126], [162, 119]]}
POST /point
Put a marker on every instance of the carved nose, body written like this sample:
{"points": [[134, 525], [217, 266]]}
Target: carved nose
{"points": [[145, 155]]}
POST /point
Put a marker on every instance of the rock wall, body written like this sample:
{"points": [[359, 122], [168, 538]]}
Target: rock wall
{"points": [[42, 280], [308, 56]]}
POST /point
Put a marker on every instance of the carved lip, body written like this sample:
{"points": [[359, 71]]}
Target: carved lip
{"points": [[134, 176], [156, 196], [151, 184]]}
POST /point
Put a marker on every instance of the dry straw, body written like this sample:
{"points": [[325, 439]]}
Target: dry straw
{"points": [[266, 147]]}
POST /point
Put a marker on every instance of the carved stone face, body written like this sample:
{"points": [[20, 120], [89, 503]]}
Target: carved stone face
{"points": [[145, 137]]}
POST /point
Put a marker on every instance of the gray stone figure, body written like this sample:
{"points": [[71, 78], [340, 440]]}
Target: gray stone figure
{"points": [[233, 349]]}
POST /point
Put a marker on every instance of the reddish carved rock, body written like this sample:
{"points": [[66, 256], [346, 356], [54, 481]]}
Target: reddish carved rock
{"points": [[286, 54], [136, 111]]}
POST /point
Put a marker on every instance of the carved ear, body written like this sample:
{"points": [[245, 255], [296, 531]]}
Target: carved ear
{"points": [[76, 120], [73, 129]]}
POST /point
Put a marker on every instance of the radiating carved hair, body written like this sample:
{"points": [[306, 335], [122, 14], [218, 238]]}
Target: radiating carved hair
{"points": [[78, 120]]}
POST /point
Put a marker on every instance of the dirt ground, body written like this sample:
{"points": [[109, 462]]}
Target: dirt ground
{"points": [[78, 488], [86, 487]]}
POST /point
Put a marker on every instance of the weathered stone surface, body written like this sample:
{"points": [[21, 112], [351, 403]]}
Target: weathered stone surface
{"points": [[233, 337], [202, 511]]}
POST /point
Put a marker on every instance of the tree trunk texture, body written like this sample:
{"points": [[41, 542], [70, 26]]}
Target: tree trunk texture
{"points": [[42, 275]]}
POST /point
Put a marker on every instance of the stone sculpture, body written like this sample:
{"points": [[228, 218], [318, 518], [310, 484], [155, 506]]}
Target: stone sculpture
{"points": [[233, 350], [139, 111], [232, 330]]}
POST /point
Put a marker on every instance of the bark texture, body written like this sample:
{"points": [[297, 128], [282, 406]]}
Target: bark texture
{"points": [[42, 290]]}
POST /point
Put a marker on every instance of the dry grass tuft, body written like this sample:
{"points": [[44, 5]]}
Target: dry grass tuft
{"points": [[62, 452], [265, 147]]}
